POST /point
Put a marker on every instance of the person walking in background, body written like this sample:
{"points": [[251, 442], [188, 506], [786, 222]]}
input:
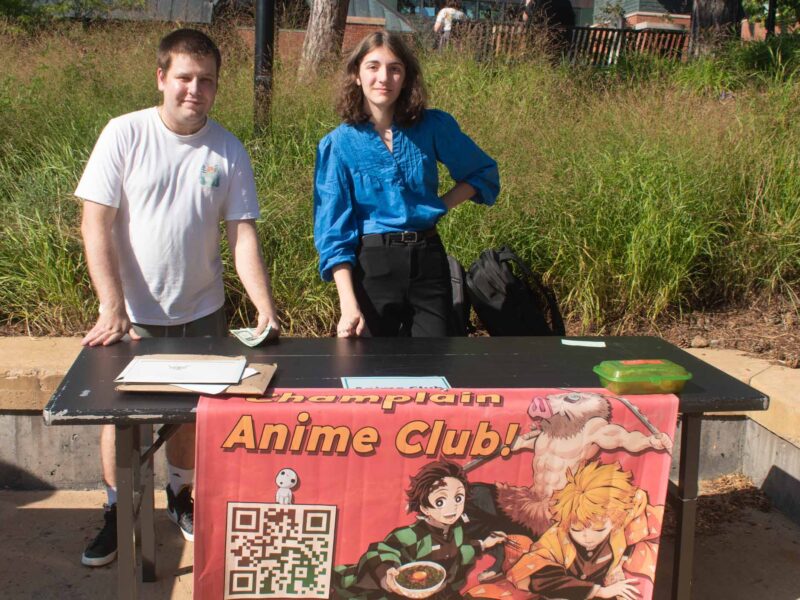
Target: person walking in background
{"points": [[528, 12], [156, 187], [443, 26], [376, 201]]}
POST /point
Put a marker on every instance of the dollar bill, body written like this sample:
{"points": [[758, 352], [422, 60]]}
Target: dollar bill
{"points": [[248, 337]]}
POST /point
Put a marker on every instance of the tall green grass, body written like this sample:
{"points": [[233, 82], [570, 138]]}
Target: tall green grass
{"points": [[636, 191]]}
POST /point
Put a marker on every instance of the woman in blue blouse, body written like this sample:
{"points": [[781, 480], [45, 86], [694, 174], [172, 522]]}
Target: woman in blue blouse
{"points": [[376, 200]]}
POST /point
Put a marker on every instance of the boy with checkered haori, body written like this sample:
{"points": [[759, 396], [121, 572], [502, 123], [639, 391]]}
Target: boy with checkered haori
{"points": [[437, 494]]}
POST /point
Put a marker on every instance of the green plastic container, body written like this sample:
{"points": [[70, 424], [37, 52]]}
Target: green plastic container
{"points": [[649, 376]]}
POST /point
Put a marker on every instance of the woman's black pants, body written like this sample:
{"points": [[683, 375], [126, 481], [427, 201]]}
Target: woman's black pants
{"points": [[402, 284]]}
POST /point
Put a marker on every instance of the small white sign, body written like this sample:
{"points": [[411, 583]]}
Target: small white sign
{"points": [[396, 383], [585, 343]]}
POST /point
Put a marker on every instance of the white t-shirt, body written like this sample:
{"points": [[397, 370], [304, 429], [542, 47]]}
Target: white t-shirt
{"points": [[447, 15], [171, 192]]}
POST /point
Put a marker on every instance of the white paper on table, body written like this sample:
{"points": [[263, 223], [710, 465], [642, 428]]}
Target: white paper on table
{"points": [[399, 383], [144, 369], [208, 389], [213, 390]]}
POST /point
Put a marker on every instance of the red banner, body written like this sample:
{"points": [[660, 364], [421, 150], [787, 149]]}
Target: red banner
{"points": [[523, 493]]}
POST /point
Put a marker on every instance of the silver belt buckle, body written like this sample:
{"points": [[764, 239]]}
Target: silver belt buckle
{"points": [[409, 237]]}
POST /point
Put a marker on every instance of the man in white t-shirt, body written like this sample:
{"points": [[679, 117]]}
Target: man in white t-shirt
{"points": [[156, 187], [444, 21]]}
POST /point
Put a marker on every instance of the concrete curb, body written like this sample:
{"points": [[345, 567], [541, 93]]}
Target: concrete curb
{"points": [[781, 384], [31, 369]]}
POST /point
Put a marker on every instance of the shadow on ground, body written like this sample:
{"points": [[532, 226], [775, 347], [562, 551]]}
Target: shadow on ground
{"points": [[44, 534], [744, 551]]}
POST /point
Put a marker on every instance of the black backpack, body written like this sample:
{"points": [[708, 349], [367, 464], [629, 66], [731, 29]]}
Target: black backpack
{"points": [[508, 304], [458, 323]]}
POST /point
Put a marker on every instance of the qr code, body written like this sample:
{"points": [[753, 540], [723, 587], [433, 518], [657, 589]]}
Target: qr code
{"points": [[279, 550]]}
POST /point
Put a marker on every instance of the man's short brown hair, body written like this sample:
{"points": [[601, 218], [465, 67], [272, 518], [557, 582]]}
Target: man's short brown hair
{"points": [[429, 478], [186, 41]]}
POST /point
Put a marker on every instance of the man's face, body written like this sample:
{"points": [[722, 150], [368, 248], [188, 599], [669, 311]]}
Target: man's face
{"points": [[446, 502], [189, 87]]}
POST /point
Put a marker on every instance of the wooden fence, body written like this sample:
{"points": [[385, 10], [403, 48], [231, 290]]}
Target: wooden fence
{"points": [[598, 46]]}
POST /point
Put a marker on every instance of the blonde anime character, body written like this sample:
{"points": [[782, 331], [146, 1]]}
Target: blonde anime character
{"points": [[605, 536]]}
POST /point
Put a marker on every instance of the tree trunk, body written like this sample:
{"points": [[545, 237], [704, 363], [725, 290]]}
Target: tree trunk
{"points": [[324, 34], [713, 22], [772, 8]]}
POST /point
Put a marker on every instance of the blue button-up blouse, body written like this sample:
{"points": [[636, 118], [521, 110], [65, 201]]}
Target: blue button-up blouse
{"points": [[361, 188]]}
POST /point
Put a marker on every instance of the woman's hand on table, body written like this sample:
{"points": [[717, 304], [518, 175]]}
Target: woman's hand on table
{"points": [[351, 323]]}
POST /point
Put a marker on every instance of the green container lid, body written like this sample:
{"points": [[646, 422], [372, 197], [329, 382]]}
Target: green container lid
{"points": [[642, 375]]}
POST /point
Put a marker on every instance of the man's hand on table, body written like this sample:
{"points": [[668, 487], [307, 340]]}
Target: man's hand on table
{"points": [[268, 320], [111, 327]]}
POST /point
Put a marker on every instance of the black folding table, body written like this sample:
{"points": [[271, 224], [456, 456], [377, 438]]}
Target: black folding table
{"points": [[87, 396]]}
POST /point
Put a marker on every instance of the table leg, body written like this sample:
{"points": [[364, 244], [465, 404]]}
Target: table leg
{"points": [[127, 450], [147, 518], [686, 507]]}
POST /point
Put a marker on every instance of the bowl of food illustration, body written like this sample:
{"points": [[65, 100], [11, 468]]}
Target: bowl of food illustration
{"points": [[419, 579]]}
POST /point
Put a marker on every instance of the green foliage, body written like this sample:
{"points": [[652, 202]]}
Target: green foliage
{"points": [[34, 15], [635, 190], [776, 59], [787, 13]]}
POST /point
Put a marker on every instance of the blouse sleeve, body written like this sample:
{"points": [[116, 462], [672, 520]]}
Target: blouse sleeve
{"points": [[464, 159], [335, 229]]}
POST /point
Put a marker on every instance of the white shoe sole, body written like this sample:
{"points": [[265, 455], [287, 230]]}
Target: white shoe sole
{"points": [[100, 561], [173, 516]]}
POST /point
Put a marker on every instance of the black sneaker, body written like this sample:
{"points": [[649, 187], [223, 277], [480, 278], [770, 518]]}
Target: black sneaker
{"points": [[180, 509], [103, 548]]}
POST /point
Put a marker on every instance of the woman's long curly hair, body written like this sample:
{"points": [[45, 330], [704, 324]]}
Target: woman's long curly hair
{"points": [[411, 103]]}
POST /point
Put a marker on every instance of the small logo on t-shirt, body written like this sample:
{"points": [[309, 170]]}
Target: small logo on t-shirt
{"points": [[209, 176]]}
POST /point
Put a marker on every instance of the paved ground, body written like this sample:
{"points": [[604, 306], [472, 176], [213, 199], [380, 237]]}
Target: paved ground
{"points": [[43, 535]]}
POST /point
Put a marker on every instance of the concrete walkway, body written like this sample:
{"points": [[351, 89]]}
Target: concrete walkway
{"points": [[43, 534]]}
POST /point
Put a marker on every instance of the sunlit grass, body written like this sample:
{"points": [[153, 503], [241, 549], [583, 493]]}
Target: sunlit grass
{"points": [[634, 191]]}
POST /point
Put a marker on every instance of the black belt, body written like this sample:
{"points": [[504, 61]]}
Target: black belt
{"points": [[398, 237]]}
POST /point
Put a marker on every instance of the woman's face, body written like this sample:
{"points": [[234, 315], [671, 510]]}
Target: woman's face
{"points": [[446, 502], [381, 76]]}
